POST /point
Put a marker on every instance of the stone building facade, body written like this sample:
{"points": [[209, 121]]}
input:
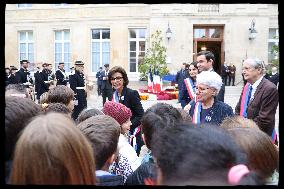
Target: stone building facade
{"points": [[117, 33]]}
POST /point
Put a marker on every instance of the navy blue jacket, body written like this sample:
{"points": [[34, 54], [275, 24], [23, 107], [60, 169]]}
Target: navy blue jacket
{"points": [[218, 113], [110, 180], [61, 80], [99, 76]]}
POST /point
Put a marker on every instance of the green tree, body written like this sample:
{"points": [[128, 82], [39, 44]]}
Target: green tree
{"points": [[155, 57], [275, 52]]}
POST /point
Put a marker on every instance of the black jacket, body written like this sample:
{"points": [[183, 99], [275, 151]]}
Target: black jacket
{"points": [[21, 76], [221, 94], [218, 113], [61, 80], [110, 180], [36, 75], [99, 77], [180, 76], [274, 78], [145, 170], [131, 99], [12, 79], [41, 86], [105, 83]]}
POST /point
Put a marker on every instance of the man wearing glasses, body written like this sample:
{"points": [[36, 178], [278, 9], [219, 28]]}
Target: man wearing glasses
{"points": [[259, 98]]}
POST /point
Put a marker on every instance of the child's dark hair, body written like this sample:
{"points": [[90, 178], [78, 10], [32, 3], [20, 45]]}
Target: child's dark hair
{"points": [[87, 113], [156, 118], [198, 155], [61, 94], [57, 107], [103, 132], [18, 113]]}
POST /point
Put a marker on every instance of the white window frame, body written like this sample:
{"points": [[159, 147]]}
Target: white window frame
{"points": [[62, 41], [137, 40], [275, 41], [26, 42], [100, 41], [24, 6]]}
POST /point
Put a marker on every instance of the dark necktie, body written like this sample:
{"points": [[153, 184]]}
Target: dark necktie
{"points": [[249, 95]]}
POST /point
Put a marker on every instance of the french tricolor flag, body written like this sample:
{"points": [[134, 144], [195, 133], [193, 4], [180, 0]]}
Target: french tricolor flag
{"points": [[157, 84], [150, 81]]}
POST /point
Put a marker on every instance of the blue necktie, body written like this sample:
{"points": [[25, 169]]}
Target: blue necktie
{"points": [[249, 95]]}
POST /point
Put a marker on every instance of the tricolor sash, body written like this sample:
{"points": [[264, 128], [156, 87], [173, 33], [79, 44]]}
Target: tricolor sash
{"points": [[133, 137], [196, 114], [115, 97], [244, 101], [274, 136], [190, 88]]}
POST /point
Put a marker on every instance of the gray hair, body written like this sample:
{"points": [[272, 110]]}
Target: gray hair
{"points": [[210, 78], [256, 63]]}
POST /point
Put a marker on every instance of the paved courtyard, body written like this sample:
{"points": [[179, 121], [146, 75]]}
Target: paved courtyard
{"points": [[232, 94]]}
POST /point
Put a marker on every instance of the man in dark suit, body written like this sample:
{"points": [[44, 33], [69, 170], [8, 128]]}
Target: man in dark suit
{"points": [[42, 83], [263, 99], [106, 86], [99, 80], [36, 77], [205, 61], [180, 76], [22, 76], [77, 84], [274, 77], [12, 77], [61, 75]]}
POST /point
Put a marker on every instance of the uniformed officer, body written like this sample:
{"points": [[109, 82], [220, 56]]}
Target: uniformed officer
{"points": [[60, 74], [51, 76], [77, 84]]}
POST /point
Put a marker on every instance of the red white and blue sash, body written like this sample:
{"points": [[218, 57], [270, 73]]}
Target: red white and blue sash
{"points": [[196, 114], [244, 101], [274, 136], [115, 97], [132, 139], [190, 88]]}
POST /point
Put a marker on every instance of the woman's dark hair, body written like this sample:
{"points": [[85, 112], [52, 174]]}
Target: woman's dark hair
{"points": [[87, 113], [120, 70], [188, 154], [18, 113], [194, 63]]}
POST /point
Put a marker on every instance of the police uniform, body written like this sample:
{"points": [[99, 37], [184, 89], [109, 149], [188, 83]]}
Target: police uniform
{"points": [[77, 84], [61, 76]]}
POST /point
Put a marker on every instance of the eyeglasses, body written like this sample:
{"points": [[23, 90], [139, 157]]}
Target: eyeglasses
{"points": [[201, 89], [116, 78]]}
